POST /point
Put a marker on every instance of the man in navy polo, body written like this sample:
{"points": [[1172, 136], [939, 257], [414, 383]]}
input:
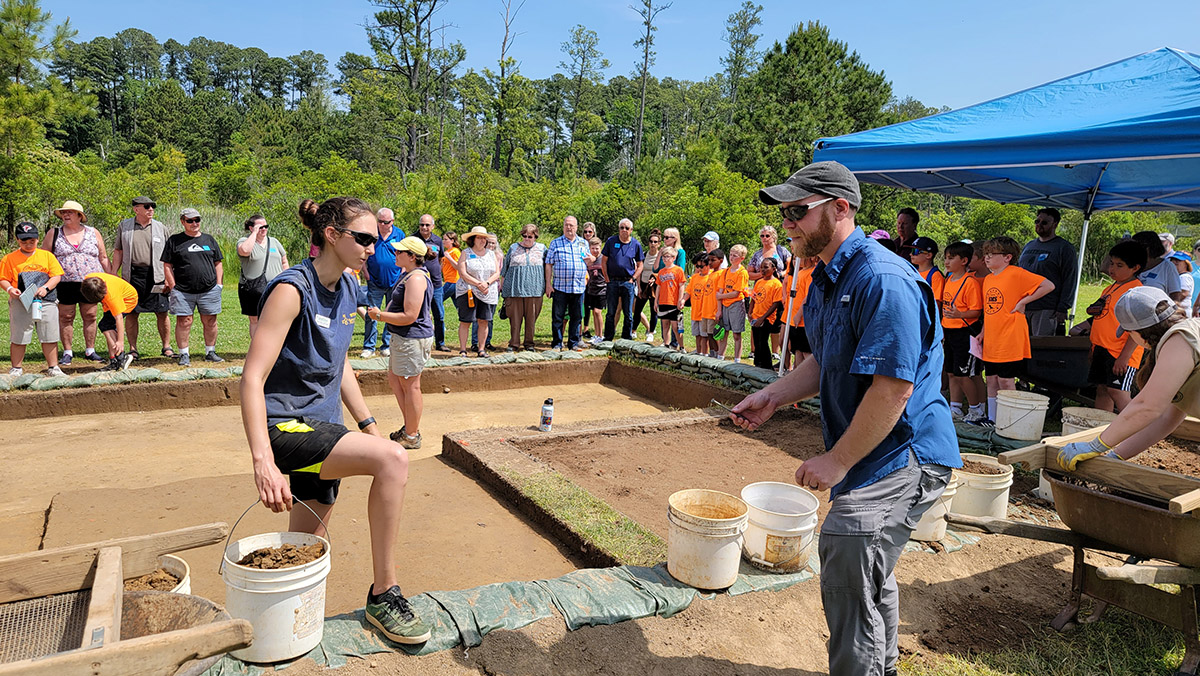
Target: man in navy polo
{"points": [[382, 273], [890, 445], [621, 262]]}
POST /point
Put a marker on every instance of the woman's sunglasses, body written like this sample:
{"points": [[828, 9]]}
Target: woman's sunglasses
{"points": [[363, 239]]}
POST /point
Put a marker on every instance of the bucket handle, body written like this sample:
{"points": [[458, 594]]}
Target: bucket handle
{"points": [[221, 568]]}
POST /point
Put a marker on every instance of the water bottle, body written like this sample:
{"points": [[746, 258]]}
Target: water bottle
{"points": [[547, 415], [35, 310]]}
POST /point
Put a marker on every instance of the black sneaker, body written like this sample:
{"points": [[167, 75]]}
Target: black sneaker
{"points": [[393, 615], [113, 364], [213, 357]]}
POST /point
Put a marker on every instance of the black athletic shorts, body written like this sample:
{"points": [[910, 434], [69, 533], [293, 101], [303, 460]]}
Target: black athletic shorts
{"points": [[1005, 369], [798, 340], [956, 346], [70, 293], [142, 279], [1100, 372], [591, 302], [668, 313], [300, 446], [108, 322]]}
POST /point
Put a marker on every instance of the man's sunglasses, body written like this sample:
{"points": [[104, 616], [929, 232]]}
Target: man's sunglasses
{"points": [[388, 222], [796, 212], [192, 220], [363, 239]]}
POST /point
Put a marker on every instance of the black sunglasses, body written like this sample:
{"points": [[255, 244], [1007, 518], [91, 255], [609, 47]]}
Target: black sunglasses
{"points": [[363, 239], [192, 220], [388, 222], [796, 212]]}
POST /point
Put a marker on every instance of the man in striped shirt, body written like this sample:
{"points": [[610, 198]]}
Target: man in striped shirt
{"points": [[567, 259]]}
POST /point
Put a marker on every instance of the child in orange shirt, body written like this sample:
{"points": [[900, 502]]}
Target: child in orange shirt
{"points": [[1005, 337], [798, 348], [1115, 358], [694, 292], [117, 297], [921, 253], [731, 290], [766, 307], [26, 268], [961, 303], [670, 281]]}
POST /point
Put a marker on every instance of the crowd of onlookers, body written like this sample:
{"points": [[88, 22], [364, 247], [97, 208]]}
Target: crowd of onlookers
{"points": [[993, 295]]}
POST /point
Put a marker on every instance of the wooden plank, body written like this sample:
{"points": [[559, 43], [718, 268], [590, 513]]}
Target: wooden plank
{"points": [[1149, 574], [64, 569], [1044, 453], [104, 609], [1127, 476], [153, 655], [1185, 503], [1032, 457], [1188, 429], [1030, 531]]}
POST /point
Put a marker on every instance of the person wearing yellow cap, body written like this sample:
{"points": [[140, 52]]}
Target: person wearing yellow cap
{"points": [[410, 322]]}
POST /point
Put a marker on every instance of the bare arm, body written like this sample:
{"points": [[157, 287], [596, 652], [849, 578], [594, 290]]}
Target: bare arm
{"points": [[282, 257], [49, 285], [414, 298], [549, 280], [169, 276], [247, 247], [352, 397], [1174, 365], [48, 241], [281, 308], [1178, 296], [105, 264], [802, 382], [117, 259], [604, 268], [220, 273], [120, 319], [1044, 288]]}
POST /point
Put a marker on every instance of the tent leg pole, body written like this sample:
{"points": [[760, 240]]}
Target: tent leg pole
{"points": [[1087, 219]]}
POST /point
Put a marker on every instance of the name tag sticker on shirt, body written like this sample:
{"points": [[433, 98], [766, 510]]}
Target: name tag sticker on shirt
{"points": [[1042, 257], [322, 321], [846, 299], [157, 239]]}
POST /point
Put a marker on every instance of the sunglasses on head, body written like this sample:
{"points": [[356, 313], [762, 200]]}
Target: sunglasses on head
{"points": [[192, 220], [797, 212], [363, 239]]}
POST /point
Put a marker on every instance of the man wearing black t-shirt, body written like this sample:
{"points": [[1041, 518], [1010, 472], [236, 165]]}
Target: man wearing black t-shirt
{"points": [[192, 261]]}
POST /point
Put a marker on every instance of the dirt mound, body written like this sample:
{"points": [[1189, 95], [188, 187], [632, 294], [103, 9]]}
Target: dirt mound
{"points": [[159, 580], [974, 467], [286, 556]]}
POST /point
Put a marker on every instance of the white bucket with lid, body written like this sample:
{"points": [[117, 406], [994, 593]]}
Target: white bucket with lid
{"points": [[1021, 415], [1081, 418], [704, 539], [983, 494], [286, 606], [932, 526], [780, 528]]}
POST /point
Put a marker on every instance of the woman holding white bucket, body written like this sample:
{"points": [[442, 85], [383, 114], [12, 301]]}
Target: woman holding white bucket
{"points": [[1169, 378], [296, 378]]}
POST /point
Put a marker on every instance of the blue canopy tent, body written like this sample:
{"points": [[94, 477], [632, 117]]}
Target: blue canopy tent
{"points": [[1125, 136]]}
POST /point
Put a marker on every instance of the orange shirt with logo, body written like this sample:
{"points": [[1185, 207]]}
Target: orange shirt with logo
{"points": [[18, 262], [670, 283], [803, 281], [1006, 333], [733, 280], [964, 294], [766, 293], [121, 296], [1105, 324], [694, 288], [704, 304]]}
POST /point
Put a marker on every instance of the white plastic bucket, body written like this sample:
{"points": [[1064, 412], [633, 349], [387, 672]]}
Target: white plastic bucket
{"points": [[1077, 419], [983, 494], [285, 606], [704, 540], [780, 527], [180, 569], [1021, 415], [1043, 489], [932, 526]]}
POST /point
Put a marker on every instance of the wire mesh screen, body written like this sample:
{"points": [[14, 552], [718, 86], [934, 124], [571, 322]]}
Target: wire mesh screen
{"points": [[42, 626]]}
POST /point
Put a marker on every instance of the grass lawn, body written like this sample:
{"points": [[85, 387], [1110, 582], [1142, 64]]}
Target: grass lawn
{"points": [[233, 337]]}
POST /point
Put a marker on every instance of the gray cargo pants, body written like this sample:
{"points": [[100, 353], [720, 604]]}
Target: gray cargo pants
{"points": [[861, 540]]}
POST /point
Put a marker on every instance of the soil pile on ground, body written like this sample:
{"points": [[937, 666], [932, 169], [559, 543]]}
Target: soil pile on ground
{"points": [[159, 580], [285, 556], [982, 468]]}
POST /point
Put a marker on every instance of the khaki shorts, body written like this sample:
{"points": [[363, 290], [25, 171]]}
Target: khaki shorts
{"points": [[21, 323], [409, 355], [707, 326]]}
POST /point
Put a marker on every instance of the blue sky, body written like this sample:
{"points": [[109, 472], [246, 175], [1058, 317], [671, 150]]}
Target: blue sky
{"points": [[943, 52]]}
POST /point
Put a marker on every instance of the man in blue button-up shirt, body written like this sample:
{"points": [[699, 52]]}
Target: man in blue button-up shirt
{"points": [[567, 259], [890, 444]]}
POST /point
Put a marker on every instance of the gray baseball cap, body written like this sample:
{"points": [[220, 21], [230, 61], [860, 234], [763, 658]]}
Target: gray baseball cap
{"points": [[189, 213], [830, 179], [1138, 308]]}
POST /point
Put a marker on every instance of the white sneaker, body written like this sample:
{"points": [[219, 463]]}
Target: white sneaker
{"points": [[956, 415], [650, 338], [385, 352], [633, 336], [54, 371], [16, 371], [737, 360], [367, 354], [596, 340], [975, 418]]}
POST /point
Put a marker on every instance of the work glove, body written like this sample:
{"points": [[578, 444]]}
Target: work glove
{"points": [[1072, 454]]}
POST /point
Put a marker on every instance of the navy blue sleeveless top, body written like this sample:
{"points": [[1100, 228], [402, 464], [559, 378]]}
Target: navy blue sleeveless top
{"points": [[307, 378], [423, 327]]}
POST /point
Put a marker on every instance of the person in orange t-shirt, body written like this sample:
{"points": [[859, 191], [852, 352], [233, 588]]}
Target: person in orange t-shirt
{"points": [[31, 267], [117, 297], [1005, 336], [961, 304], [670, 281], [798, 348], [730, 289], [1115, 358], [694, 292], [450, 259], [706, 296], [921, 253], [766, 309]]}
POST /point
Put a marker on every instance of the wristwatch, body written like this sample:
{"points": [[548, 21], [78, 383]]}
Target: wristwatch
{"points": [[364, 424]]}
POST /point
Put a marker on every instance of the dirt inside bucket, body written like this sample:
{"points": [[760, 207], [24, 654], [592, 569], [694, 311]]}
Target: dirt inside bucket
{"points": [[975, 467], [159, 580], [708, 511], [285, 556]]}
